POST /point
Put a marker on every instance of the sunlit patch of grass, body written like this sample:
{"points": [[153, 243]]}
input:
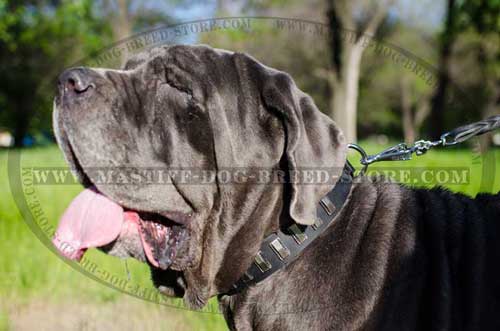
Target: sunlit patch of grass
{"points": [[30, 271], [482, 171], [4, 321]]}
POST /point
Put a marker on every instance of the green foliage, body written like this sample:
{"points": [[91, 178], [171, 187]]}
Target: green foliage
{"points": [[381, 80], [483, 15], [37, 40]]}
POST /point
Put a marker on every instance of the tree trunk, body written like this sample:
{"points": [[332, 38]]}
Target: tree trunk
{"points": [[346, 52], [19, 134], [493, 86], [345, 93], [21, 122], [220, 7], [406, 109], [438, 101], [422, 111], [121, 25], [492, 108]]}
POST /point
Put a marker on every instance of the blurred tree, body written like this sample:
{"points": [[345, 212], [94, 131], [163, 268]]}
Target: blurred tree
{"points": [[447, 39], [275, 41], [340, 70], [121, 24], [35, 39], [129, 16], [38, 39], [463, 20], [350, 23], [483, 18], [393, 98]]}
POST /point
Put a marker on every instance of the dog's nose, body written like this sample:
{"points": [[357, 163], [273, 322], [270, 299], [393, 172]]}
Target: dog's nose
{"points": [[75, 81]]}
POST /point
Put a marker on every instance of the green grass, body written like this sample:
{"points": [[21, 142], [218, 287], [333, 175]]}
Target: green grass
{"points": [[482, 171], [31, 272], [4, 321]]}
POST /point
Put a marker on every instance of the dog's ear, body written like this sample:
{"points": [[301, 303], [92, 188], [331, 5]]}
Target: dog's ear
{"points": [[313, 140]]}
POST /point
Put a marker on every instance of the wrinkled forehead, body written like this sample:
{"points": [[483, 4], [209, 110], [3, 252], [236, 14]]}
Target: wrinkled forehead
{"points": [[197, 69], [167, 51]]}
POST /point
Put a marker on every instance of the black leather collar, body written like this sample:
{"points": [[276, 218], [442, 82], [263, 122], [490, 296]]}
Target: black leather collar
{"points": [[281, 248]]}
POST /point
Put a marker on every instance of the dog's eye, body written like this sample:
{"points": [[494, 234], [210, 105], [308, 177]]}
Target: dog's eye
{"points": [[193, 112], [188, 115], [191, 116], [157, 66]]}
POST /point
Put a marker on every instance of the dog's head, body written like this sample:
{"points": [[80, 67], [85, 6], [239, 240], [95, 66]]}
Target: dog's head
{"points": [[187, 108]]}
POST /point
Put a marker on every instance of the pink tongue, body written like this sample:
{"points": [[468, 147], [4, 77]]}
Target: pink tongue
{"points": [[91, 220]]}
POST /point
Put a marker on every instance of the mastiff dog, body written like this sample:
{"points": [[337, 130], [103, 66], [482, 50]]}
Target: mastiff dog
{"points": [[281, 254]]}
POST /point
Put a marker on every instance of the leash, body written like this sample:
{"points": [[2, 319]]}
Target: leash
{"points": [[403, 152], [282, 247]]}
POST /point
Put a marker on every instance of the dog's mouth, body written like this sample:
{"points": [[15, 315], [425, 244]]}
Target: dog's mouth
{"points": [[123, 229], [94, 220]]}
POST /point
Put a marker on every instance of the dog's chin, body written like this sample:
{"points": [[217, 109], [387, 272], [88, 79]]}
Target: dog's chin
{"points": [[169, 282], [169, 279]]}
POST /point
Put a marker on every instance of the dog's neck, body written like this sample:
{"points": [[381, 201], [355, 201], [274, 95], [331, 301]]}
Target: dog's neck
{"points": [[293, 291], [282, 247]]}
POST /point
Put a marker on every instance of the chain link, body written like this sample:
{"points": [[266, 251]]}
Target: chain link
{"points": [[403, 152]]}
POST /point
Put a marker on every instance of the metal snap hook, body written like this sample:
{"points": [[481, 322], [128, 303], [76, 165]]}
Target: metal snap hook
{"points": [[364, 156]]}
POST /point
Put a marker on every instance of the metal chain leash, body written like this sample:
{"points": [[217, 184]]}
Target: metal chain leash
{"points": [[403, 152]]}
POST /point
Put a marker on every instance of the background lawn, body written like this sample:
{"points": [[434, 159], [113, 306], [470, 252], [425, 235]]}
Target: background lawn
{"points": [[39, 291]]}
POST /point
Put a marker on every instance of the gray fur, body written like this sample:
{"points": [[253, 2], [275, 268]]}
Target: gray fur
{"points": [[394, 258]]}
